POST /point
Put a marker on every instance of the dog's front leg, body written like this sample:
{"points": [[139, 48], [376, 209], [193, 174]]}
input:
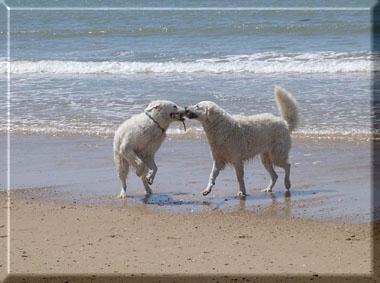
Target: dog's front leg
{"points": [[151, 171], [239, 169], [146, 185], [216, 167], [132, 158]]}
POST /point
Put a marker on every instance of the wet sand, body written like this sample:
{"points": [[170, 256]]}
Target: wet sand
{"points": [[330, 180], [65, 217]]}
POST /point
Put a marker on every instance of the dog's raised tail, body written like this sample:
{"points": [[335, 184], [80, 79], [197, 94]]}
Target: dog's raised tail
{"points": [[287, 106]]}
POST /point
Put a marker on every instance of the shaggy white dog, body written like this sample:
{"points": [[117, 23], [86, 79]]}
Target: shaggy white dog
{"points": [[235, 139], [137, 140]]}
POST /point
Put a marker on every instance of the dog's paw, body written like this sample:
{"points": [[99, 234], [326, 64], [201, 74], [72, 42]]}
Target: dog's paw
{"points": [[242, 194], [206, 192], [122, 195], [267, 190], [149, 177], [148, 191]]}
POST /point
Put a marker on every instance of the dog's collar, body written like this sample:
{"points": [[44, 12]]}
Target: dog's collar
{"points": [[158, 124]]}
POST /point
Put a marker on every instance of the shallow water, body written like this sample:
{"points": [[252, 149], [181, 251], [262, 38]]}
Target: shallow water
{"points": [[84, 72], [331, 105], [327, 184]]}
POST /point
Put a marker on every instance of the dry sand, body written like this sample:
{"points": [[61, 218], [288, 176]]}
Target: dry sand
{"points": [[52, 238], [52, 234]]}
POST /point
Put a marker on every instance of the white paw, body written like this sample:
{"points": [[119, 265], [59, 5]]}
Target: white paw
{"points": [[122, 195], [242, 194], [267, 190], [206, 192]]}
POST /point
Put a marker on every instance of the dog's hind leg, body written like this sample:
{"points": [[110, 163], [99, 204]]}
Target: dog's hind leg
{"points": [[216, 167], [239, 169], [122, 167], [286, 167], [265, 159], [281, 160], [151, 171], [146, 185], [287, 176], [144, 180], [133, 159]]}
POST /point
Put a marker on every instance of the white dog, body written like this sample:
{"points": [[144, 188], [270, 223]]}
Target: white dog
{"points": [[137, 140], [235, 139]]}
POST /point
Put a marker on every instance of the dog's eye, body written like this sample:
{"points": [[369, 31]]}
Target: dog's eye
{"points": [[175, 107], [197, 106]]}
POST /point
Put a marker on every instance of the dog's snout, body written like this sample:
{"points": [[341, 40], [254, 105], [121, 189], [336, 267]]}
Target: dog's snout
{"points": [[190, 114]]}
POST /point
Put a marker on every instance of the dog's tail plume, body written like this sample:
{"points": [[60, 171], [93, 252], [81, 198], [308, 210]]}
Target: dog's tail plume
{"points": [[287, 106]]}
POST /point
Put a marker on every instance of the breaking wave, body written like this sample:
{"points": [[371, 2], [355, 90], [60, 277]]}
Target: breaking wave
{"points": [[258, 63], [193, 132]]}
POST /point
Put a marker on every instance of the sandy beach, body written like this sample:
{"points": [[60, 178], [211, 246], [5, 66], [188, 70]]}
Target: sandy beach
{"points": [[74, 239], [75, 70], [66, 219]]}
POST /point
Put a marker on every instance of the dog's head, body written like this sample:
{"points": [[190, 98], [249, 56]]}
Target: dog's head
{"points": [[202, 111], [165, 111]]}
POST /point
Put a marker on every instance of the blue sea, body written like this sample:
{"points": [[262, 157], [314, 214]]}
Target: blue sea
{"points": [[82, 72]]}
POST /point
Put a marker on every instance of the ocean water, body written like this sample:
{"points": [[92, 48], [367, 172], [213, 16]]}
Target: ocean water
{"points": [[84, 72]]}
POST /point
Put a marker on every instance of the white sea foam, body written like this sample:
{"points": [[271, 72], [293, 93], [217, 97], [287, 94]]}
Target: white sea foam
{"points": [[260, 63], [192, 132]]}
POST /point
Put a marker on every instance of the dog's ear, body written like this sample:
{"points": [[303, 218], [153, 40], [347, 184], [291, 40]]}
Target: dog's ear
{"points": [[207, 109], [154, 105], [210, 111]]}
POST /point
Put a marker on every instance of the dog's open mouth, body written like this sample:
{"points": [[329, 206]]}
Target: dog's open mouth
{"points": [[179, 117], [191, 115]]}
